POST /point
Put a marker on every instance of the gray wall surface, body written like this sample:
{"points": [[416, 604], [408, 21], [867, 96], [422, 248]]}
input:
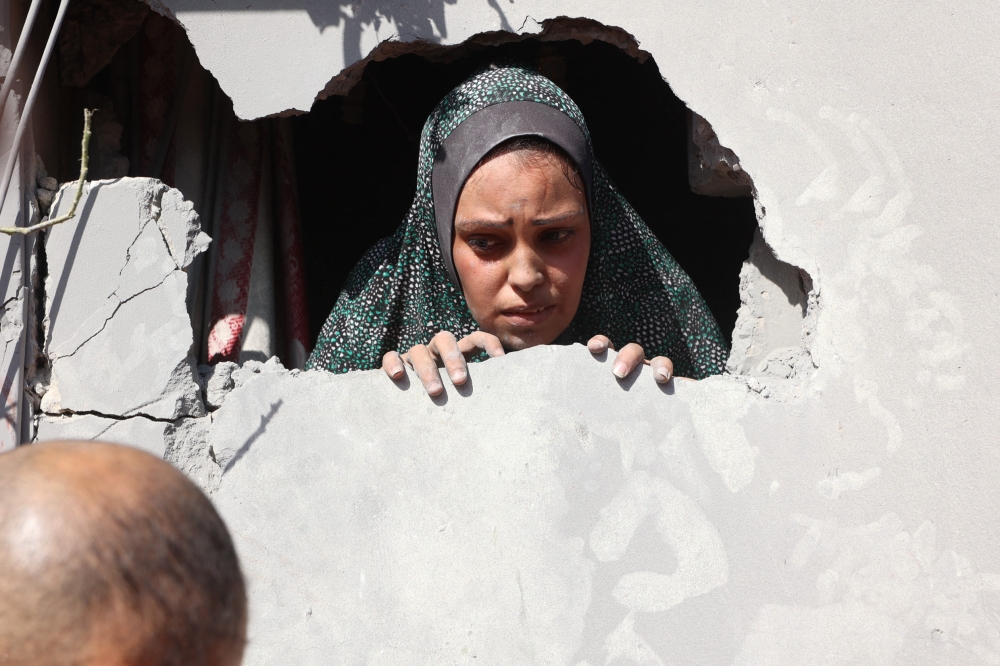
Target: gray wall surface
{"points": [[833, 501]]}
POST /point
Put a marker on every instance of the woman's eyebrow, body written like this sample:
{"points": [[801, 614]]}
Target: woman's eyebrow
{"points": [[475, 225], [542, 221]]}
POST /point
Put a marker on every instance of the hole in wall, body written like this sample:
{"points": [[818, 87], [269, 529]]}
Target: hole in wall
{"points": [[356, 154], [356, 160]]}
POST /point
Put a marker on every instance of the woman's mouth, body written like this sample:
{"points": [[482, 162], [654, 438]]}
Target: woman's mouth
{"points": [[531, 316]]}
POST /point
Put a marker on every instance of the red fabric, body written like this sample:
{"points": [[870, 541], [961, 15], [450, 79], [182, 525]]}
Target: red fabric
{"points": [[162, 51], [234, 244]]}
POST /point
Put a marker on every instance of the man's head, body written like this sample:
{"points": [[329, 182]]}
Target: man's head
{"points": [[110, 556], [522, 241]]}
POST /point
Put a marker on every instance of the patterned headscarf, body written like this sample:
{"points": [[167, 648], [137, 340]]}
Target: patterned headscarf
{"points": [[401, 293]]}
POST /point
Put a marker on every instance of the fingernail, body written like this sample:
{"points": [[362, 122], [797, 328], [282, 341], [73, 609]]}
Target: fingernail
{"points": [[458, 376], [619, 370], [434, 389], [662, 376]]}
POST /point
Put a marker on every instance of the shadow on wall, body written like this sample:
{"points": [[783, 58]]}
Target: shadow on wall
{"points": [[419, 20]]}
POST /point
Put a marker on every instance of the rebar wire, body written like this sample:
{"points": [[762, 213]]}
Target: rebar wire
{"points": [[29, 102], [22, 45]]}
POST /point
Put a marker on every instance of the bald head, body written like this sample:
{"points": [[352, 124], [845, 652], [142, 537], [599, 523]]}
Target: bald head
{"points": [[110, 556]]}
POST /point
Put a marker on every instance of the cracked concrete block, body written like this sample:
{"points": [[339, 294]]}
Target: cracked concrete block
{"points": [[137, 431], [118, 337]]}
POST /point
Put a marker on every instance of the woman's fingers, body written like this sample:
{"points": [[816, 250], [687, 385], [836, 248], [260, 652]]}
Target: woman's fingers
{"points": [[599, 344], [663, 369], [424, 364], [393, 365], [445, 347], [487, 342], [629, 358]]}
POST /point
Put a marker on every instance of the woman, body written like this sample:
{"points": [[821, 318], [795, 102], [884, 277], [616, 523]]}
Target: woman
{"points": [[516, 237]]}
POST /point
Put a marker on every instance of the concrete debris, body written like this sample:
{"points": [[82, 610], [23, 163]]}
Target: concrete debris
{"points": [[115, 301], [217, 381], [249, 370], [45, 186]]}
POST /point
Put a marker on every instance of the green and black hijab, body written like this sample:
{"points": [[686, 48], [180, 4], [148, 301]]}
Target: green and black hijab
{"points": [[405, 290]]}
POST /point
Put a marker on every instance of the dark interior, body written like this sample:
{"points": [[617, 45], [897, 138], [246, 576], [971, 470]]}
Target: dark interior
{"points": [[357, 158]]}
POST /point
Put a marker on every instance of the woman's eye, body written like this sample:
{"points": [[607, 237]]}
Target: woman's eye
{"points": [[484, 244], [557, 235]]}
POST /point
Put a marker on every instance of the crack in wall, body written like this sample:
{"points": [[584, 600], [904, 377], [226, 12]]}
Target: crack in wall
{"points": [[117, 417], [104, 325], [154, 215], [148, 263]]}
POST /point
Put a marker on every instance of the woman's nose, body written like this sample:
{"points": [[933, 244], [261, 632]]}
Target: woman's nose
{"points": [[526, 270]]}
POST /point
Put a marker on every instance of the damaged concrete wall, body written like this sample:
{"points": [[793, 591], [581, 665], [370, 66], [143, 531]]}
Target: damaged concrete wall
{"points": [[118, 340], [833, 500]]}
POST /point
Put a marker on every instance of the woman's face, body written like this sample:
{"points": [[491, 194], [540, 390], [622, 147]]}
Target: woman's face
{"points": [[521, 243]]}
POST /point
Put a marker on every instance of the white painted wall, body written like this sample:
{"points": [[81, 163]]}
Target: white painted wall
{"points": [[844, 515]]}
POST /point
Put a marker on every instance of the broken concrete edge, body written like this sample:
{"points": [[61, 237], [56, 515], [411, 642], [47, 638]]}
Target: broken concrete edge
{"points": [[773, 337], [162, 10], [559, 28], [713, 169], [186, 442], [786, 251]]}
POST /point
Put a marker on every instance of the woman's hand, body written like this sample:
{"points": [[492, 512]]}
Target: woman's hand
{"points": [[630, 357], [443, 348]]}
